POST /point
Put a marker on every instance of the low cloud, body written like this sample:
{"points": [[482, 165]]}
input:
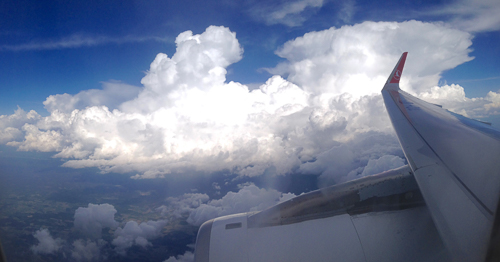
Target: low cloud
{"points": [[382, 164], [87, 250], [187, 203], [89, 221], [92, 219], [187, 257], [46, 243], [134, 233], [199, 208]]}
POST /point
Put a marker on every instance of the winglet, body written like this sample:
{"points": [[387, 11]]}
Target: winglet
{"points": [[396, 73]]}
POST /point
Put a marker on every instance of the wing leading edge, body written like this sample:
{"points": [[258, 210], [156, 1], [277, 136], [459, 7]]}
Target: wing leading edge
{"points": [[455, 162]]}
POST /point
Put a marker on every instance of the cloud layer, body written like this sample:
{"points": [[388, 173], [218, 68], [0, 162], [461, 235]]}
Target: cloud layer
{"points": [[321, 113]]}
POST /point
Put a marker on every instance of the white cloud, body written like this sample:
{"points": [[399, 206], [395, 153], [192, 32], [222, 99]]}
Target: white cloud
{"points": [[472, 15], [87, 250], [178, 206], [38, 140], [9, 134], [187, 117], [46, 243], [112, 95], [452, 97], [10, 125], [92, 219], [187, 257], [200, 209], [382, 164], [136, 234], [355, 59], [347, 161], [493, 107], [289, 13], [77, 40], [347, 11], [185, 114]]}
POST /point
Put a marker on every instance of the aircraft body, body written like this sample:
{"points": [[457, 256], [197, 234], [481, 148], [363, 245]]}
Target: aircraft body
{"points": [[440, 207]]}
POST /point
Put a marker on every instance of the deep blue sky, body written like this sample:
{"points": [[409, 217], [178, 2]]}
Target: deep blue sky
{"points": [[31, 69]]}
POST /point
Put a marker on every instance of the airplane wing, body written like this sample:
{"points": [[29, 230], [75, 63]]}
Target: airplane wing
{"points": [[440, 207], [456, 163], [382, 217]]}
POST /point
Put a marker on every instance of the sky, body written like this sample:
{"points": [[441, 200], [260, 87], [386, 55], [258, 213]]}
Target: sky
{"points": [[250, 90]]}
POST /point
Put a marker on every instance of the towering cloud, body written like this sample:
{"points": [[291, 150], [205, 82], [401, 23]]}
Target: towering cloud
{"points": [[356, 59], [320, 114]]}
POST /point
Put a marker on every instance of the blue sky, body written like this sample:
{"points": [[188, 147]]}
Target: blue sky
{"points": [[232, 105], [127, 35]]}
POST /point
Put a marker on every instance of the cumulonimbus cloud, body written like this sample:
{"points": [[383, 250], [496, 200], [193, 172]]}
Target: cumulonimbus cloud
{"points": [[323, 102]]}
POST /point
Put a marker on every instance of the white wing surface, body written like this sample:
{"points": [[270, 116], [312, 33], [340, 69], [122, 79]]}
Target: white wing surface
{"points": [[456, 162]]}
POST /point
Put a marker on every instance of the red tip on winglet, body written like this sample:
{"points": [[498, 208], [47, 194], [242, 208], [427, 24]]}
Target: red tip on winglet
{"points": [[398, 70]]}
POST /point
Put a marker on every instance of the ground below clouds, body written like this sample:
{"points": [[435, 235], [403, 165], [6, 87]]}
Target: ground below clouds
{"points": [[43, 197]]}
